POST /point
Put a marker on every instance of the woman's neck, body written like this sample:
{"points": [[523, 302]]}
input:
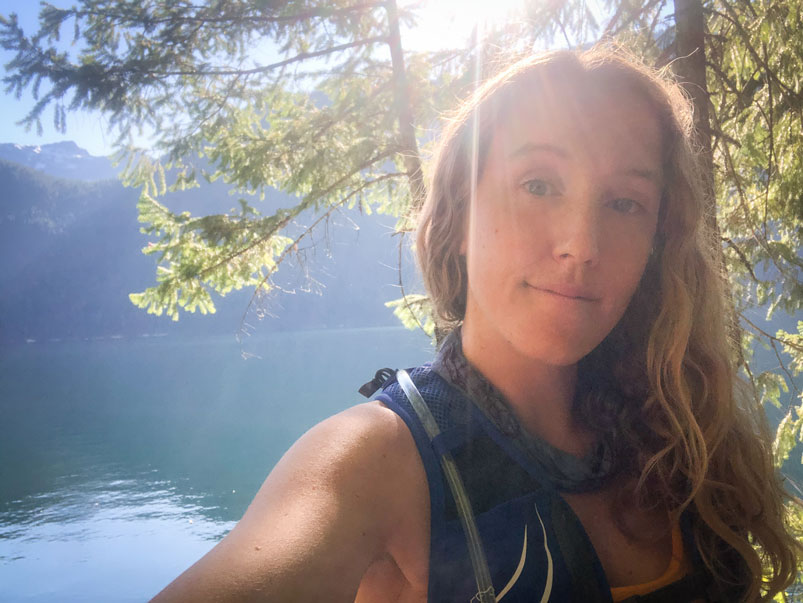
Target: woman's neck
{"points": [[540, 394]]}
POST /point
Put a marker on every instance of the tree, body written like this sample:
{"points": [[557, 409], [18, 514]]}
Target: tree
{"points": [[183, 72], [323, 101], [331, 119]]}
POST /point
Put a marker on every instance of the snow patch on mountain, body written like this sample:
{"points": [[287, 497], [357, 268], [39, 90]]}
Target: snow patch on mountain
{"points": [[60, 159]]}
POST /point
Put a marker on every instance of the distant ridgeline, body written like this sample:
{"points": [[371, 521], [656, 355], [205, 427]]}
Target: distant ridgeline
{"points": [[71, 253]]}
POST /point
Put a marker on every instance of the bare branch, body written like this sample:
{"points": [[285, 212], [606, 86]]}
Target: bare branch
{"points": [[768, 336], [321, 13], [742, 257], [798, 98], [743, 204], [407, 305], [634, 12], [784, 368], [265, 68], [305, 203], [308, 231]]}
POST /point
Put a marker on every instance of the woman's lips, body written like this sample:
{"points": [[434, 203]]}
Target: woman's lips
{"points": [[568, 291]]}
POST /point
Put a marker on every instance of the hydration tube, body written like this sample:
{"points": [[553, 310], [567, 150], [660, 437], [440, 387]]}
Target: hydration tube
{"points": [[485, 589]]}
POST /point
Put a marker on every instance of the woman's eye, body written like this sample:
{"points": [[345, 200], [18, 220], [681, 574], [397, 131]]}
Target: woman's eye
{"points": [[625, 206], [539, 188]]}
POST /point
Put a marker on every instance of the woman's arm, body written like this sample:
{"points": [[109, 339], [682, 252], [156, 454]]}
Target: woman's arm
{"points": [[341, 497]]}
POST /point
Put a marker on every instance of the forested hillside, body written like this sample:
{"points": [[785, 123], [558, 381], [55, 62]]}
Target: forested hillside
{"points": [[72, 254]]}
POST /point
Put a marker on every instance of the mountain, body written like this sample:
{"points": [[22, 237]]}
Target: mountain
{"points": [[61, 159], [71, 252]]}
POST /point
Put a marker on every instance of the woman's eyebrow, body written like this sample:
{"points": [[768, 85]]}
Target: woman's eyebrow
{"points": [[648, 175], [529, 148]]}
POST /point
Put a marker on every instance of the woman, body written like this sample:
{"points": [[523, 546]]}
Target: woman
{"points": [[578, 437]]}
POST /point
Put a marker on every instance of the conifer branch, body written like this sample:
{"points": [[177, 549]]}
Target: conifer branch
{"points": [[761, 331], [304, 56], [308, 231], [784, 368], [245, 19], [734, 20], [295, 211], [742, 257]]}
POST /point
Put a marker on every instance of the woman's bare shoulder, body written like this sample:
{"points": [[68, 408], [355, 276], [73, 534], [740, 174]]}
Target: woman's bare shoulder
{"points": [[357, 432], [342, 496], [348, 447]]}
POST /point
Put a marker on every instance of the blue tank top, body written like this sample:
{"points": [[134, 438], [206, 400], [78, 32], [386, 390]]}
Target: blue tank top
{"points": [[536, 548]]}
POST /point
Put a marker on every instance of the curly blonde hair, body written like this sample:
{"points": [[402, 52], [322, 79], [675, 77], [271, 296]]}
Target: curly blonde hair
{"points": [[663, 380]]}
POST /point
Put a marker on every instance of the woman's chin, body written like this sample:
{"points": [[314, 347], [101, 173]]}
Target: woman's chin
{"points": [[556, 343], [557, 351]]}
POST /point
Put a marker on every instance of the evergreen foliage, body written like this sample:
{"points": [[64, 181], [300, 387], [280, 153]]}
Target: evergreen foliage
{"points": [[322, 101], [72, 252]]}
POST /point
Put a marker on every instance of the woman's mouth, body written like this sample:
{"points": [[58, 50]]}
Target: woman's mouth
{"points": [[567, 291]]}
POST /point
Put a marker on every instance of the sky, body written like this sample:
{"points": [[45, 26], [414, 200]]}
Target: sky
{"points": [[87, 130], [443, 23]]}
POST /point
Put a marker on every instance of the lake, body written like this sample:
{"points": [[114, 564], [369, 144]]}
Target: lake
{"points": [[123, 461]]}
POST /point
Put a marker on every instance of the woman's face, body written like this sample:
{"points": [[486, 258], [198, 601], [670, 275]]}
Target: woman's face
{"points": [[563, 221]]}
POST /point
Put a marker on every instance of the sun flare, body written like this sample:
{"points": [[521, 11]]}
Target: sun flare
{"points": [[451, 23]]}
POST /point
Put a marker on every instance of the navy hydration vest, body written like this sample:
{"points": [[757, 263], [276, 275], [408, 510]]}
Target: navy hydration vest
{"points": [[535, 547]]}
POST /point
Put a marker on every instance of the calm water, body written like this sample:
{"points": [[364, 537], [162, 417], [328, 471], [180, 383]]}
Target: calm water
{"points": [[122, 462]]}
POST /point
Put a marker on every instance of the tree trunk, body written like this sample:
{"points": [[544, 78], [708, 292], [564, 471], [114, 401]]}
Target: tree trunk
{"points": [[409, 145], [690, 67]]}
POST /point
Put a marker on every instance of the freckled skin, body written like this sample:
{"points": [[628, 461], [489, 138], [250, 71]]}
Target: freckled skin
{"points": [[573, 234]]}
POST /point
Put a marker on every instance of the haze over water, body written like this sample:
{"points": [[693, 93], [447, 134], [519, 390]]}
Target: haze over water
{"points": [[124, 461]]}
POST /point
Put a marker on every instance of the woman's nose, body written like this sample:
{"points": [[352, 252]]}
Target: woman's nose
{"points": [[577, 235]]}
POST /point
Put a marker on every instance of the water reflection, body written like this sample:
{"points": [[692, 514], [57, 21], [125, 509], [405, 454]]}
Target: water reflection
{"points": [[106, 498], [106, 539], [123, 462]]}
